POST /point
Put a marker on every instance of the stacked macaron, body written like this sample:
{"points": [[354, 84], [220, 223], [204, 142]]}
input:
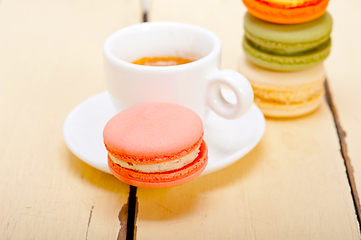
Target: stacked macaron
{"points": [[285, 43]]}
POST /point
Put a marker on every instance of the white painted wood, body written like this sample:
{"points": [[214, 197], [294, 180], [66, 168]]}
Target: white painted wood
{"points": [[293, 185], [50, 61], [344, 76]]}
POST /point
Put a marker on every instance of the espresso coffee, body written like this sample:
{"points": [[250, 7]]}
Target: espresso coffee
{"points": [[162, 61]]}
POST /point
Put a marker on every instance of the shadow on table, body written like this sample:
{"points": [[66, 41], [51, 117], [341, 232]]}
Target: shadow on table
{"points": [[95, 176], [180, 201], [175, 202]]}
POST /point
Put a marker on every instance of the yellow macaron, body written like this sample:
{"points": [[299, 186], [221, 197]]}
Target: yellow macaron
{"points": [[285, 94]]}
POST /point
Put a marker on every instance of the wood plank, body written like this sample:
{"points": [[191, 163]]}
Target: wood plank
{"points": [[50, 61], [291, 186], [344, 77]]}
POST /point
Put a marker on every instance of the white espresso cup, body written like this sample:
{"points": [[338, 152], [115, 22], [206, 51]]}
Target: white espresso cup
{"points": [[196, 85]]}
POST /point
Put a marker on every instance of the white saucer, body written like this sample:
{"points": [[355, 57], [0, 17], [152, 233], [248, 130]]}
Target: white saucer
{"points": [[227, 140]]}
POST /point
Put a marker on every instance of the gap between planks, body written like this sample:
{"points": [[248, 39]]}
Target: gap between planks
{"points": [[349, 169], [128, 216]]}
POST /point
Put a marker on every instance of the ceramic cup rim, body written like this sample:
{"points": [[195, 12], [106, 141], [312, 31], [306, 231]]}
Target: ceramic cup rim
{"points": [[149, 25]]}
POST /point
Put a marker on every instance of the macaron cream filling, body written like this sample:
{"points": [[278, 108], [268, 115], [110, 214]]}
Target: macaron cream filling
{"points": [[289, 3], [158, 167], [284, 48], [286, 63], [321, 52], [292, 96]]}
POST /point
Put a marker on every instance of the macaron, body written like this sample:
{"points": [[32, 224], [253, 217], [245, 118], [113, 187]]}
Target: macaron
{"points": [[286, 11], [284, 95], [287, 47], [156, 145]]}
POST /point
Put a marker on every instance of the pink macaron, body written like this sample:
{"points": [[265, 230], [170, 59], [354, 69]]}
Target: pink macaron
{"points": [[156, 145]]}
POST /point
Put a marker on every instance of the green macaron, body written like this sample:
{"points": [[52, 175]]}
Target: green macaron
{"points": [[287, 47]]}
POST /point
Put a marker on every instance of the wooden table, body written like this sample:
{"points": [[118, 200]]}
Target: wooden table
{"points": [[300, 182]]}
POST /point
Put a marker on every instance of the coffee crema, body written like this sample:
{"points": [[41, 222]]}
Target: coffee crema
{"points": [[162, 61]]}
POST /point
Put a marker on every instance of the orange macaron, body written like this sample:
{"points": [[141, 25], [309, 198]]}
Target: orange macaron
{"points": [[286, 11], [156, 145]]}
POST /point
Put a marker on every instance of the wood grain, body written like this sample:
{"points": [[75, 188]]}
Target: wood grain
{"points": [[293, 185], [50, 61]]}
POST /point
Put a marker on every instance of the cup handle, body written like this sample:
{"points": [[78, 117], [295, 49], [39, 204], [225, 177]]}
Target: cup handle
{"points": [[239, 85]]}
